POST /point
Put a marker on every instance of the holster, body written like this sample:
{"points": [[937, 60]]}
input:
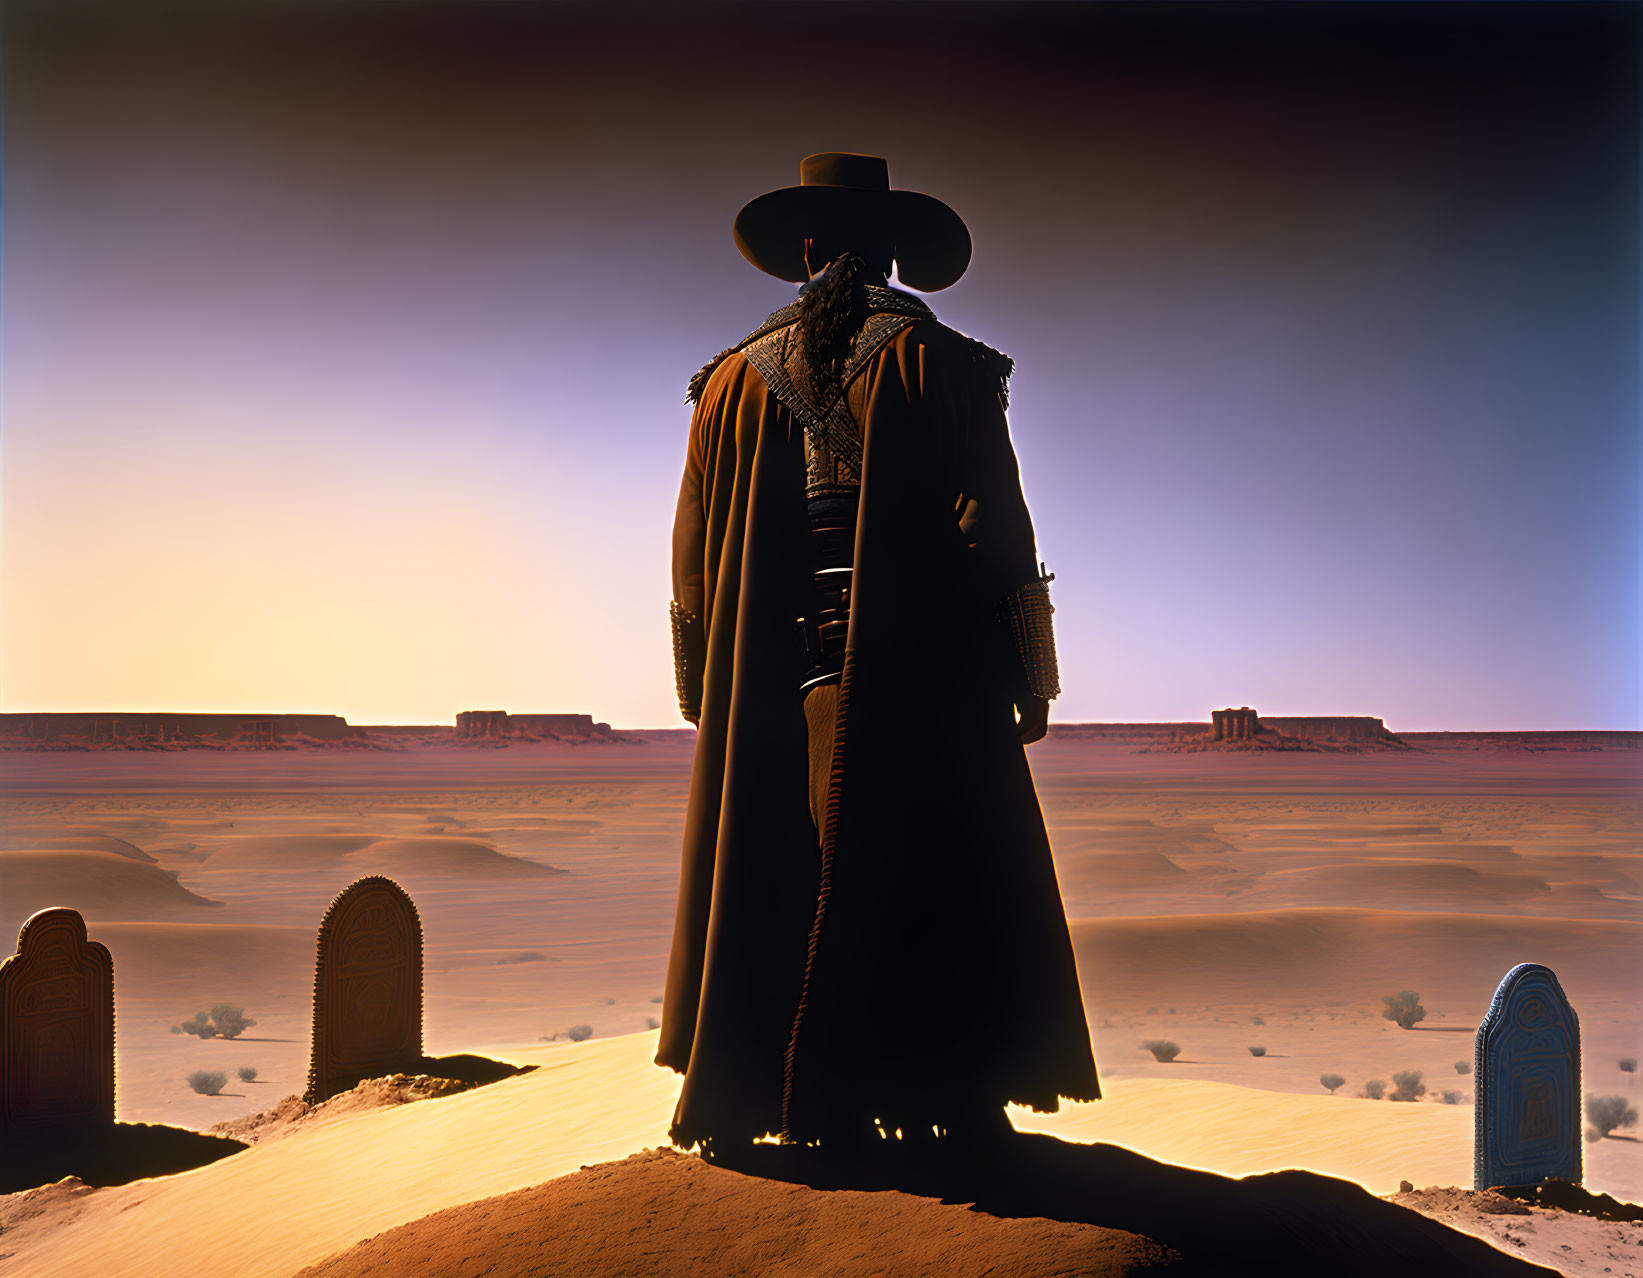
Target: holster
{"points": [[689, 656], [1026, 614]]}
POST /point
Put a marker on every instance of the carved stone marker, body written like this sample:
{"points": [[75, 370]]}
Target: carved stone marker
{"points": [[56, 1031], [367, 989], [1528, 1083]]}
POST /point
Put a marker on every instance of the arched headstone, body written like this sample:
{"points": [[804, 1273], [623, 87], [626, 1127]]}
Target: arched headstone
{"points": [[1527, 1069], [56, 1030], [367, 989]]}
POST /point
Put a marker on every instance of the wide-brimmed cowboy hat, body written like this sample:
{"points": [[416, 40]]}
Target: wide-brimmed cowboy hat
{"points": [[841, 191]]}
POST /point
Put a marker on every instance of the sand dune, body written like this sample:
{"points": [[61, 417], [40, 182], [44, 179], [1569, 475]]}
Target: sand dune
{"points": [[373, 854], [594, 1102], [1239, 1131], [1120, 871], [1362, 829], [161, 955], [1481, 853], [22, 840], [1425, 879], [466, 857], [98, 884], [287, 851], [662, 1214], [1345, 955], [526, 823], [1614, 872], [1041, 1208]]}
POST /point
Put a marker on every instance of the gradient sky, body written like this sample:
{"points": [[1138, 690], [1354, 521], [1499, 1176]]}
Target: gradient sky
{"points": [[344, 346]]}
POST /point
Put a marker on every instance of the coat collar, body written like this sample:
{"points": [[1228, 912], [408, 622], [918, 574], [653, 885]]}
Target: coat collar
{"points": [[880, 298]]}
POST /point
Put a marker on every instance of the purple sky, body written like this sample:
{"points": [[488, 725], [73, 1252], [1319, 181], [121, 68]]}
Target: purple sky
{"points": [[344, 347]]}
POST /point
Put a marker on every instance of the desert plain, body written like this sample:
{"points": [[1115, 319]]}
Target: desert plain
{"points": [[1222, 901]]}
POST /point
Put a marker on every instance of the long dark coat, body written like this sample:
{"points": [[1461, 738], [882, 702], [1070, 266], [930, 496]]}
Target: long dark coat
{"points": [[937, 974]]}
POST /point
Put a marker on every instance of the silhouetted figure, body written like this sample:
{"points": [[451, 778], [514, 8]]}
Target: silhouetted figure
{"points": [[869, 928]]}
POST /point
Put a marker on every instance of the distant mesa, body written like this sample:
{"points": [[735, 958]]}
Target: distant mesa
{"points": [[1242, 729], [494, 725], [114, 730], [80, 730]]}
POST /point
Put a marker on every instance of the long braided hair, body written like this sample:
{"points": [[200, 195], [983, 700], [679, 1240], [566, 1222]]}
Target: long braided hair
{"points": [[831, 312]]}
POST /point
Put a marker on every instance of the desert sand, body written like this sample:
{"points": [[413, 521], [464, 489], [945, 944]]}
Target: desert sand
{"points": [[658, 1213], [1220, 901], [347, 1178]]}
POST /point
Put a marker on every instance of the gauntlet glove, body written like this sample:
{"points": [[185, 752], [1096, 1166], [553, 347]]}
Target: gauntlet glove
{"points": [[689, 656], [1026, 614]]}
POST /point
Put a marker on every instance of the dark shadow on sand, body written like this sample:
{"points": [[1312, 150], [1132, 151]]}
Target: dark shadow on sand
{"points": [[1288, 1222], [467, 1068], [462, 1068], [1575, 1198], [115, 1156]]}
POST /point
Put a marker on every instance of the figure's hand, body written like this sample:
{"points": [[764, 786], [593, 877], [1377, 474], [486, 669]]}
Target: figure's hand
{"points": [[1033, 719]]}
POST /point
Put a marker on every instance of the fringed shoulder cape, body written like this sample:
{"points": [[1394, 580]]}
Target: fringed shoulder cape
{"points": [[914, 961]]}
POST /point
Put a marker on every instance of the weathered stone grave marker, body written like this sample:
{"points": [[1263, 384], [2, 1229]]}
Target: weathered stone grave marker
{"points": [[1528, 1083], [367, 989], [56, 1031]]}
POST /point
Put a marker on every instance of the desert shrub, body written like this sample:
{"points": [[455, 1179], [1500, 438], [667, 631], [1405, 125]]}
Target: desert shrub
{"points": [[1628, 1064], [1152, 1011], [1609, 1112], [1407, 1085], [579, 1033], [1463, 1067], [1451, 1097], [1331, 1081], [208, 1082], [652, 1023], [247, 1073], [223, 1019], [1257, 1020], [1257, 1051], [1162, 1049], [1404, 1007], [231, 1021], [200, 1026], [1374, 1089]]}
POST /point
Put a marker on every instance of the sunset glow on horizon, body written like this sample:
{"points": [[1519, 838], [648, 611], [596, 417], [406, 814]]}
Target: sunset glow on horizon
{"points": [[343, 373]]}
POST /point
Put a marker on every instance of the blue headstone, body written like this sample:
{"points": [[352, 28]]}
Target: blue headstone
{"points": [[1527, 1070]]}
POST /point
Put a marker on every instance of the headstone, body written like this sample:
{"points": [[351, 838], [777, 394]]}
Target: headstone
{"points": [[367, 989], [56, 1031], [1527, 1069]]}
